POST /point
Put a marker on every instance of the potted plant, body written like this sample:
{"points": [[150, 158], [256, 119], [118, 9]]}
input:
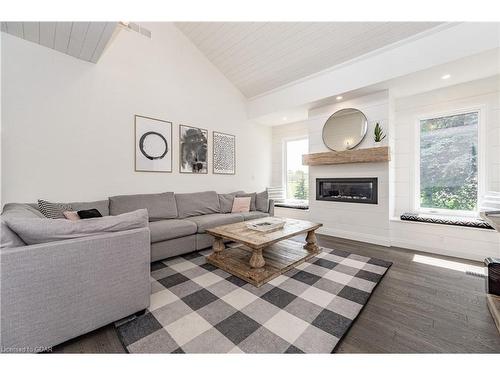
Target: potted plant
{"points": [[378, 135]]}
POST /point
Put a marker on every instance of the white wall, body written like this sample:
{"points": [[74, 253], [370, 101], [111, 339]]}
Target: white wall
{"points": [[465, 242], [379, 223], [363, 222], [68, 125]]}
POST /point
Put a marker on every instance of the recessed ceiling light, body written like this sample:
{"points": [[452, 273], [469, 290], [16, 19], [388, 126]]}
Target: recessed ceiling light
{"points": [[284, 118], [340, 97], [446, 76]]}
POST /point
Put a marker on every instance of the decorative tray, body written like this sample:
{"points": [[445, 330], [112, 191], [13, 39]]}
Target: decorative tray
{"points": [[267, 224]]}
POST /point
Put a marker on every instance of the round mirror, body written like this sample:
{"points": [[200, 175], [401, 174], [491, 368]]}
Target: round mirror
{"points": [[345, 129]]}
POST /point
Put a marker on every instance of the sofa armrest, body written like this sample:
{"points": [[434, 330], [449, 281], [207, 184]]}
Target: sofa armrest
{"points": [[271, 207], [55, 291]]}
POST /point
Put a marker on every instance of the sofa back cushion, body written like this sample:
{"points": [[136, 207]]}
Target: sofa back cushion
{"points": [[195, 204], [160, 206], [8, 238], [36, 230], [22, 210]]}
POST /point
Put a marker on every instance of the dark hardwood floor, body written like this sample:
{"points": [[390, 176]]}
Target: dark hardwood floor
{"points": [[416, 308]]}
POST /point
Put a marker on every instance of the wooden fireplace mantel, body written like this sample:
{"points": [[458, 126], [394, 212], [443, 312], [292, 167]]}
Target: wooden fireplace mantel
{"points": [[361, 155]]}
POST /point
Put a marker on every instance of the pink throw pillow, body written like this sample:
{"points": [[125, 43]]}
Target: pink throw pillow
{"points": [[71, 215], [241, 204]]}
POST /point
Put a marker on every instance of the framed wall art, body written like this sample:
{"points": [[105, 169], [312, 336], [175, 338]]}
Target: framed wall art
{"points": [[224, 153], [153, 144], [193, 150]]}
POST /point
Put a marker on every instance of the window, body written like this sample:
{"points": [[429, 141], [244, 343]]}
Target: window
{"points": [[448, 174], [296, 174]]}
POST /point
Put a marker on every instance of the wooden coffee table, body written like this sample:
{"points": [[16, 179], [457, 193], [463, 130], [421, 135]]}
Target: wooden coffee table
{"points": [[261, 257]]}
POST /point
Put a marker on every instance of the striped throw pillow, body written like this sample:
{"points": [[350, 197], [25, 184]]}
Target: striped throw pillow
{"points": [[53, 210]]}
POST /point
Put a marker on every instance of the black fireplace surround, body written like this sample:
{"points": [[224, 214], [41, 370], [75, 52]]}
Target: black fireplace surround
{"points": [[352, 190]]}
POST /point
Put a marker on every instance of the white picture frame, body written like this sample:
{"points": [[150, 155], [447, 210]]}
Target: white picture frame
{"points": [[153, 145]]}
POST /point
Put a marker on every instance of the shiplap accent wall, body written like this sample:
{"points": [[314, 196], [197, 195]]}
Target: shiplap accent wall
{"points": [[363, 222], [83, 40]]}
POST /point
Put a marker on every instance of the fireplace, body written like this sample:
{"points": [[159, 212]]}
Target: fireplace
{"points": [[352, 190]]}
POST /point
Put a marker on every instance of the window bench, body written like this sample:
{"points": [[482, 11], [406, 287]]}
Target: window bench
{"points": [[296, 206], [471, 222]]}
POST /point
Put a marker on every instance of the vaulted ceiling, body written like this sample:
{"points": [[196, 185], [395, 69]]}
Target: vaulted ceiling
{"points": [[83, 40], [260, 56]]}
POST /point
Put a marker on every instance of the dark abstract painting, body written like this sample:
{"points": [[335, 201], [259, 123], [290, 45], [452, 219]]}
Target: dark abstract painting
{"points": [[193, 145]]}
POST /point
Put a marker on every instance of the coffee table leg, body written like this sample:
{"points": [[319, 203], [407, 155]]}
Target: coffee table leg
{"points": [[312, 243], [218, 246], [257, 260]]}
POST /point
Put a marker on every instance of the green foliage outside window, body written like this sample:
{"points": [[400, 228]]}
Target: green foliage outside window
{"points": [[448, 162]]}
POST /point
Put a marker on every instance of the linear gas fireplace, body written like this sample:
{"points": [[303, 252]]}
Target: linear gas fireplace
{"points": [[353, 190]]}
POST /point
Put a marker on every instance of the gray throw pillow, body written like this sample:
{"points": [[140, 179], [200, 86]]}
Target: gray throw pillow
{"points": [[262, 201], [53, 210], [34, 231], [253, 197], [226, 202]]}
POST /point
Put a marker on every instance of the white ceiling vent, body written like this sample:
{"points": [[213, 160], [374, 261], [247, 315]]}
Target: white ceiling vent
{"points": [[137, 28]]}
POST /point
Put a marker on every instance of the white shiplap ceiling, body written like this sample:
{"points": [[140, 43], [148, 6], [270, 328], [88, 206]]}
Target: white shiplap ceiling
{"points": [[260, 56], [83, 40]]}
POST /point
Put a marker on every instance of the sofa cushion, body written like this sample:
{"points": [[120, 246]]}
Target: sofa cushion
{"points": [[195, 204], [160, 206], [36, 230], [8, 238], [205, 222], [253, 197], [169, 229], [22, 210], [262, 201], [253, 215]]}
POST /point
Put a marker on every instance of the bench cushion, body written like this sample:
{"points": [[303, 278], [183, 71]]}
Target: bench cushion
{"points": [[163, 230], [205, 222]]}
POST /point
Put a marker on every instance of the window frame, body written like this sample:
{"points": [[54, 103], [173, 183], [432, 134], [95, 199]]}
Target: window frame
{"points": [[481, 171], [284, 174]]}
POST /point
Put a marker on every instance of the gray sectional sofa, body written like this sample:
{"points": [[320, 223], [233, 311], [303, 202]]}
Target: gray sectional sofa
{"points": [[52, 292], [180, 226]]}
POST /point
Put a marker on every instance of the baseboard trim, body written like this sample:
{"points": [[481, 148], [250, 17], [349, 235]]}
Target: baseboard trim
{"points": [[404, 243], [440, 251]]}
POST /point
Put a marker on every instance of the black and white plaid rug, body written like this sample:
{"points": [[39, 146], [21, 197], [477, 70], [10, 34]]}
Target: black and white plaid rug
{"points": [[198, 308]]}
